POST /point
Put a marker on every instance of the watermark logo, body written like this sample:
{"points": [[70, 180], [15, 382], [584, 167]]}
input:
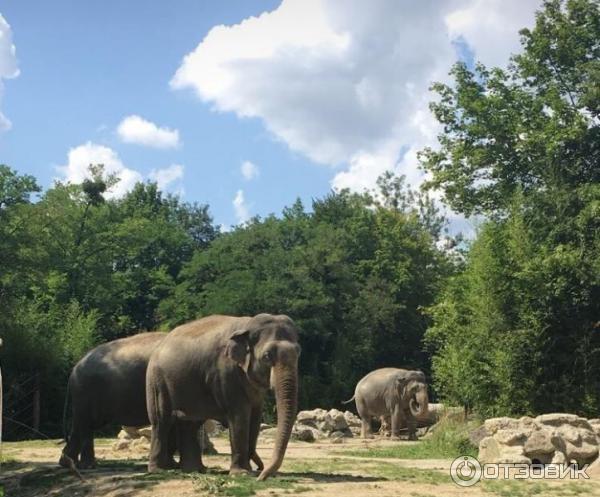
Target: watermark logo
{"points": [[466, 471]]}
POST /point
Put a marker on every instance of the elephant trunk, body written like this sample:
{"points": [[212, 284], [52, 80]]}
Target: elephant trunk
{"points": [[285, 383], [419, 403]]}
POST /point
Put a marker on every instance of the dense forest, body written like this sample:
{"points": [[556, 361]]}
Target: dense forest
{"points": [[505, 323]]}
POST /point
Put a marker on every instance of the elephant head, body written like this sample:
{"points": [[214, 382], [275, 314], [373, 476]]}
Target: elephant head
{"points": [[267, 349], [412, 388]]}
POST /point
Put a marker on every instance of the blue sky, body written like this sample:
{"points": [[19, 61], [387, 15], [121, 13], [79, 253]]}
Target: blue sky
{"points": [[315, 93]]}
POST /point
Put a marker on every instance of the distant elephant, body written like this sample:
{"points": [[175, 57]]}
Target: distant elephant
{"points": [[221, 367], [398, 393], [109, 386]]}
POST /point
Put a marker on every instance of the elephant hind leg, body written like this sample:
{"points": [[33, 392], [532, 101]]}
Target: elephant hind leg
{"points": [[161, 419], [88, 457], [365, 428], [365, 419], [190, 450], [70, 453]]}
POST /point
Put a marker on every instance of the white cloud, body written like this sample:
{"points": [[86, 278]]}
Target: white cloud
{"points": [[346, 81], [249, 170], [242, 211], [80, 158], [491, 27], [8, 64], [136, 129], [164, 177]]}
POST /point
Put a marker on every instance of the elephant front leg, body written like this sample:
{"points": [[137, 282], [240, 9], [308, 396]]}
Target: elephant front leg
{"points": [[239, 435], [398, 422], [411, 424], [255, 420]]}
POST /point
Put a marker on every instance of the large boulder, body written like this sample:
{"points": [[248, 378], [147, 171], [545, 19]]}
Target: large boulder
{"points": [[556, 438]]}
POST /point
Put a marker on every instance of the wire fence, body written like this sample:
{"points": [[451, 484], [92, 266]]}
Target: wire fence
{"points": [[21, 408]]}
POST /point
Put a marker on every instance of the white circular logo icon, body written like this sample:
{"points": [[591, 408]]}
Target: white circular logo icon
{"points": [[465, 471]]}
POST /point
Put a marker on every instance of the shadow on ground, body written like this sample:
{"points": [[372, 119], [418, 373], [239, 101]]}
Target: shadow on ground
{"points": [[126, 478]]}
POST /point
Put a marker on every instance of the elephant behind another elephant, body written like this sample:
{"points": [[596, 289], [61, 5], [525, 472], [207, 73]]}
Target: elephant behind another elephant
{"points": [[108, 386], [400, 394]]}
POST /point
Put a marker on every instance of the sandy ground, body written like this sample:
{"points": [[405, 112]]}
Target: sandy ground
{"points": [[317, 469]]}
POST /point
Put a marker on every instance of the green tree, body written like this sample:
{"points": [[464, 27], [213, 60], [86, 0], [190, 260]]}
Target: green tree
{"points": [[518, 331], [353, 273]]}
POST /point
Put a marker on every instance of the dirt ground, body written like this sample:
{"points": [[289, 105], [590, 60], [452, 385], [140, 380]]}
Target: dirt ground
{"points": [[311, 469]]}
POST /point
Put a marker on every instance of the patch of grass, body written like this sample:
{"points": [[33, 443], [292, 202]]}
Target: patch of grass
{"points": [[244, 485], [450, 439], [528, 488], [383, 470], [171, 474], [36, 443]]}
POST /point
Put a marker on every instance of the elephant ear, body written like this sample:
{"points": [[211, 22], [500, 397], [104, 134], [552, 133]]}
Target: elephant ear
{"points": [[237, 348]]}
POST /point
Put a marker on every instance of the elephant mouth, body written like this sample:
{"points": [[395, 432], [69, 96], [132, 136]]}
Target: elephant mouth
{"points": [[415, 407]]}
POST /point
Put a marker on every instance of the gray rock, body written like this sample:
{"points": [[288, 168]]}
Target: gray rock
{"points": [[477, 435], [145, 432], [122, 444], [304, 435], [337, 437], [556, 437]]}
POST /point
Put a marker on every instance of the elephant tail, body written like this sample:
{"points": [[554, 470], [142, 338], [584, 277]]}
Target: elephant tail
{"points": [[65, 412], [349, 400]]}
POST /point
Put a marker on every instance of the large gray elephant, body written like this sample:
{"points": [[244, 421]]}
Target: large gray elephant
{"points": [[109, 386], [398, 393], [221, 367]]}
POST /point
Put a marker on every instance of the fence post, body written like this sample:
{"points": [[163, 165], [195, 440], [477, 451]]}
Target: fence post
{"points": [[36, 403], [1, 409]]}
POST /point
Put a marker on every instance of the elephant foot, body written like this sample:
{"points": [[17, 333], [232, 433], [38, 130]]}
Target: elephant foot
{"points": [[237, 470], [67, 461]]}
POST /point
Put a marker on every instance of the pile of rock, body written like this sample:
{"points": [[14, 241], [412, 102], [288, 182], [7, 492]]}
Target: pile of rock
{"points": [[133, 438], [320, 424], [549, 438], [136, 439]]}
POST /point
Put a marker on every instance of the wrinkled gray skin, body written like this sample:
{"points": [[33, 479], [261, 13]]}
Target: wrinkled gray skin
{"points": [[398, 393], [221, 367], [109, 386]]}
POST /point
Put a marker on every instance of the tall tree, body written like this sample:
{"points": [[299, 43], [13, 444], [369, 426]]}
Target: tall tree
{"points": [[522, 146]]}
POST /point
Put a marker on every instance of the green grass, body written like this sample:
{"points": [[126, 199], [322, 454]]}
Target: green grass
{"points": [[28, 444], [449, 440], [245, 485], [322, 469], [528, 488]]}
